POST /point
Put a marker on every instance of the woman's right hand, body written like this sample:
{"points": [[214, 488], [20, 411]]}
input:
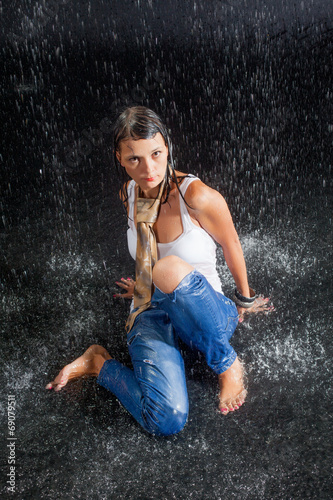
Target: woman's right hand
{"points": [[128, 285]]}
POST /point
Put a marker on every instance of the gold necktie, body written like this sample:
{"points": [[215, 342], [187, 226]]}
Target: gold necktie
{"points": [[147, 211]]}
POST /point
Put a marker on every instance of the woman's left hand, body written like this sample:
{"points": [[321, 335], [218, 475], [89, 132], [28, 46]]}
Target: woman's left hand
{"points": [[128, 285], [260, 305]]}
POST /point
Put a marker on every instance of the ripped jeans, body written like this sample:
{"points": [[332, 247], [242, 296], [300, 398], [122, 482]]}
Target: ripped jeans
{"points": [[154, 392]]}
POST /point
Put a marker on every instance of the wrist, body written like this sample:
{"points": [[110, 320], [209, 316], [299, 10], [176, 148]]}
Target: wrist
{"points": [[244, 301]]}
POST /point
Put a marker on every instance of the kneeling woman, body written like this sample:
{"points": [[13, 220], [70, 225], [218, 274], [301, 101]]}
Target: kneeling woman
{"points": [[174, 220]]}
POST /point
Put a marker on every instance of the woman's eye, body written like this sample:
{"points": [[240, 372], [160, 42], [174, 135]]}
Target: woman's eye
{"points": [[156, 153], [134, 159]]}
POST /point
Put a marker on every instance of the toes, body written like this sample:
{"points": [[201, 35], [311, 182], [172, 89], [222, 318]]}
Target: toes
{"points": [[229, 407], [52, 385], [59, 382], [225, 408], [59, 387], [55, 385], [239, 402]]}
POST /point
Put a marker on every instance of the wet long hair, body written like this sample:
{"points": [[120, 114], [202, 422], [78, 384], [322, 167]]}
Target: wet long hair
{"points": [[139, 122]]}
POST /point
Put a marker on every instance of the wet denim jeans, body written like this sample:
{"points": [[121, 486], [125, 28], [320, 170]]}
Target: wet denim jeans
{"points": [[154, 392]]}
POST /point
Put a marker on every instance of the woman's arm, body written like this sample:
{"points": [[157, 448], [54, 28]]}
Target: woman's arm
{"points": [[210, 209]]}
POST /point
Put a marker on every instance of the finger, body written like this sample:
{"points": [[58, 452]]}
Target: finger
{"points": [[122, 280], [263, 308], [122, 285], [262, 300], [265, 305], [127, 280]]}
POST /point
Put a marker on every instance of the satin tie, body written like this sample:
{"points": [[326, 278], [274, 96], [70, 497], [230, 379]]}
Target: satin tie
{"points": [[147, 211]]}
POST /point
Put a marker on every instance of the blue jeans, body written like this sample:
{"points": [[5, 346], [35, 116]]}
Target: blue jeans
{"points": [[154, 392]]}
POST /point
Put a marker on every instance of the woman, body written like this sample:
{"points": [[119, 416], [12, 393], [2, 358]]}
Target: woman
{"points": [[174, 219]]}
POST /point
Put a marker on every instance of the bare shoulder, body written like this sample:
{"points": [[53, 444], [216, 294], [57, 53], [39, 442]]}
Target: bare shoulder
{"points": [[200, 196]]}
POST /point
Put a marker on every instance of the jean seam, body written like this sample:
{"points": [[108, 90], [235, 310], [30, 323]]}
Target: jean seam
{"points": [[221, 331]]}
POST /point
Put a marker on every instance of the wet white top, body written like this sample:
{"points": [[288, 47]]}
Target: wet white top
{"points": [[194, 245]]}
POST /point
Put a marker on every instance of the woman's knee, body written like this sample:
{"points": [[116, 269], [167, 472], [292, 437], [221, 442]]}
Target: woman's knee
{"points": [[174, 425], [165, 413], [169, 272], [172, 422]]}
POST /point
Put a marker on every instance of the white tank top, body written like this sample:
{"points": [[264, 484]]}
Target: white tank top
{"points": [[194, 245]]}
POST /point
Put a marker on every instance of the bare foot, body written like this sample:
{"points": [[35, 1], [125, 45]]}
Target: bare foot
{"points": [[232, 392], [90, 363]]}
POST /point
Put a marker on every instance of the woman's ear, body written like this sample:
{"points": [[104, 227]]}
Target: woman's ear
{"points": [[118, 157]]}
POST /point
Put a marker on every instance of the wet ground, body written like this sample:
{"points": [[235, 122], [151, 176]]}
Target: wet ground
{"points": [[251, 114]]}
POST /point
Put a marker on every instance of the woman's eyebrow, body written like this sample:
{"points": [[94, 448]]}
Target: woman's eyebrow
{"points": [[130, 155]]}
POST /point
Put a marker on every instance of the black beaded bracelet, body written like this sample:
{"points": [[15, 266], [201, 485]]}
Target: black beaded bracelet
{"points": [[242, 301]]}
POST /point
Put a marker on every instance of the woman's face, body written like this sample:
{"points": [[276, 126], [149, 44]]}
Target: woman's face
{"points": [[145, 161]]}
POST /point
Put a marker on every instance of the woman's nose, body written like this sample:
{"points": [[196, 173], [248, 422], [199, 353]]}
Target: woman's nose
{"points": [[148, 165]]}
